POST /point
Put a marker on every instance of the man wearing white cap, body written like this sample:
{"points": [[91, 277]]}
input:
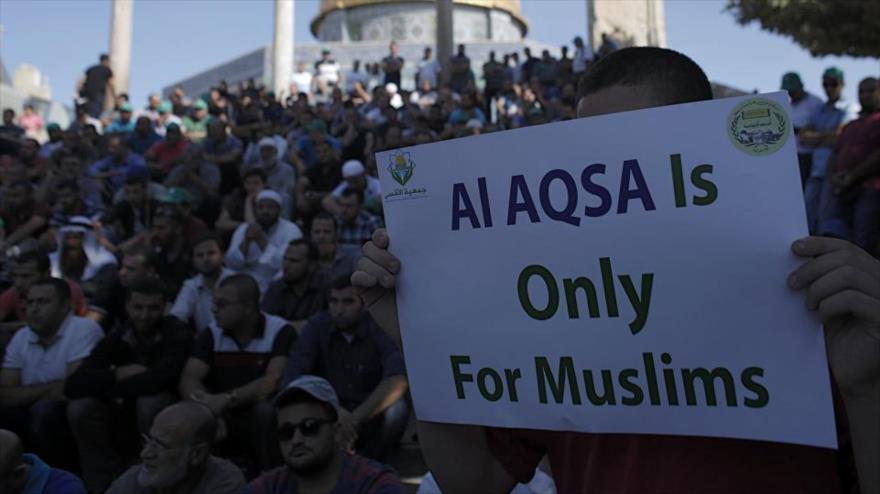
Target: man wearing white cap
{"points": [[354, 176], [258, 248], [280, 176]]}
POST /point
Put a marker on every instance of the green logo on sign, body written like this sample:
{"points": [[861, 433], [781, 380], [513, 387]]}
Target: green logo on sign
{"points": [[401, 167], [758, 127]]}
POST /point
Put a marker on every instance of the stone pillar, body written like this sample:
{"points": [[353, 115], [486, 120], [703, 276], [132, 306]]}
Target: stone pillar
{"points": [[282, 47], [444, 35], [120, 43]]}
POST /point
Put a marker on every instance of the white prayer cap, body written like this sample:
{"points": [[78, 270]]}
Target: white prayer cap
{"points": [[267, 141], [352, 168], [270, 195]]}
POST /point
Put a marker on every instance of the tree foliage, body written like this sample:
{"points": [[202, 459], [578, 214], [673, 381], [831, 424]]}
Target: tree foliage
{"points": [[824, 27]]}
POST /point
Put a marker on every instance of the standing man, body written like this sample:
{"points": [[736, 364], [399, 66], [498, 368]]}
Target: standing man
{"points": [[38, 360], [236, 366], [392, 64], [850, 203], [493, 74], [345, 346], [96, 84], [582, 58], [427, 69], [130, 376], [258, 248], [821, 133], [308, 421], [461, 76], [803, 106], [328, 74], [194, 303]]}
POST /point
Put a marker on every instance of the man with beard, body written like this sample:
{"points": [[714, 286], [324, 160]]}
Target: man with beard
{"points": [[258, 248], [280, 176], [170, 249], [81, 258], [195, 300], [130, 376], [176, 457], [236, 365], [356, 225], [336, 259], [318, 181], [300, 293], [137, 263], [143, 137], [308, 413]]}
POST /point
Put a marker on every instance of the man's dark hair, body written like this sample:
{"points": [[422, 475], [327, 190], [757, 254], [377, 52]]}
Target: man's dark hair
{"points": [[341, 282], [68, 184], [350, 191], [144, 253], [104, 57], [245, 287], [255, 172], [62, 289], [673, 77], [313, 255], [37, 256], [325, 216], [208, 237], [146, 286]]}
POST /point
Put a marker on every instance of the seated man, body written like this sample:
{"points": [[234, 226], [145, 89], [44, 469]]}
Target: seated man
{"points": [[237, 363], [27, 269], [171, 251], [338, 260], [80, 256], [201, 181], [356, 225], [301, 291], [194, 303], [137, 262], [23, 216], [22, 473], [308, 414], [345, 346], [130, 376], [37, 360], [167, 153], [257, 248], [176, 457], [119, 163], [354, 176]]}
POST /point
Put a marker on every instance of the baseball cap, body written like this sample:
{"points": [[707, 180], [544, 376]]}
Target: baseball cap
{"points": [[200, 105], [791, 81], [833, 73], [352, 168], [172, 126], [126, 107], [175, 195], [325, 50], [53, 126], [165, 107], [270, 195], [314, 386]]}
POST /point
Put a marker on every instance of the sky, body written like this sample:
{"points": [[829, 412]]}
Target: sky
{"points": [[173, 39]]}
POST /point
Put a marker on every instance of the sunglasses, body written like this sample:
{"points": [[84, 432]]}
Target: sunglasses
{"points": [[308, 428]]}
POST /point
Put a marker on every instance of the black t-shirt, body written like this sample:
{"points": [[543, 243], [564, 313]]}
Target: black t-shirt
{"points": [[323, 177], [394, 66], [96, 80]]}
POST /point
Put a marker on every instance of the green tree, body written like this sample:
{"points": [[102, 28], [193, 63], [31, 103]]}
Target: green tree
{"points": [[824, 27]]}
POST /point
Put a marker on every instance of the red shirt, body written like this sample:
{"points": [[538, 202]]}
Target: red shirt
{"points": [[165, 153], [11, 302], [856, 142], [628, 463]]}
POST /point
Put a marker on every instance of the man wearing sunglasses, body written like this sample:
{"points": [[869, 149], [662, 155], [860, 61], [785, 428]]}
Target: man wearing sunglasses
{"points": [[308, 410]]}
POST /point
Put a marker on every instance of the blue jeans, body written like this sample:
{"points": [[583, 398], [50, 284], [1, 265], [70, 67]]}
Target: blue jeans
{"points": [[854, 216], [812, 195]]}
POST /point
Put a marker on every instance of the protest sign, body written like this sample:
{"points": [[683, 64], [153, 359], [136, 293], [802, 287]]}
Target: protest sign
{"points": [[624, 273]]}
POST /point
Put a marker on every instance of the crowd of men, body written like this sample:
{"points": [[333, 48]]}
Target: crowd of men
{"points": [[178, 312]]}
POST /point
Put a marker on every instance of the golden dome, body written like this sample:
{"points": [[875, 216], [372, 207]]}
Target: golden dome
{"points": [[512, 7]]}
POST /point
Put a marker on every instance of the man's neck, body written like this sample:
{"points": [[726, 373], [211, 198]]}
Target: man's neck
{"points": [[299, 286], [247, 331], [323, 480], [188, 484], [210, 279], [48, 337]]}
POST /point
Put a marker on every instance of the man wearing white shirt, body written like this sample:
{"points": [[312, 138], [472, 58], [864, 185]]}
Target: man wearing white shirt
{"points": [[356, 76], [38, 359], [582, 57], [194, 303], [427, 69], [303, 80], [354, 176], [258, 248]]}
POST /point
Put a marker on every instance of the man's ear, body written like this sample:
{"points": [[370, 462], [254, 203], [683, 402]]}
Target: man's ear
{"points": [[199, 454], [20, 475]]}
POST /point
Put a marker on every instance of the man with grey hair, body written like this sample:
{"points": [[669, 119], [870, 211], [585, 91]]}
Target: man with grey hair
{"points": [[176, 457]]}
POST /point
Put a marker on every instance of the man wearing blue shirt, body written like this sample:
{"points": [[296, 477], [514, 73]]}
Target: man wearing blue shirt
{"points": [[22, 473]]}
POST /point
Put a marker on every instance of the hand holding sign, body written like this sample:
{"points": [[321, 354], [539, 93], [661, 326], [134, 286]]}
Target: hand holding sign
{"points": [[376, 272]]}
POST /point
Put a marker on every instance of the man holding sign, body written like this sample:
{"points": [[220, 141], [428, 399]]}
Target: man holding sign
{"points": [[685, 441]]}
